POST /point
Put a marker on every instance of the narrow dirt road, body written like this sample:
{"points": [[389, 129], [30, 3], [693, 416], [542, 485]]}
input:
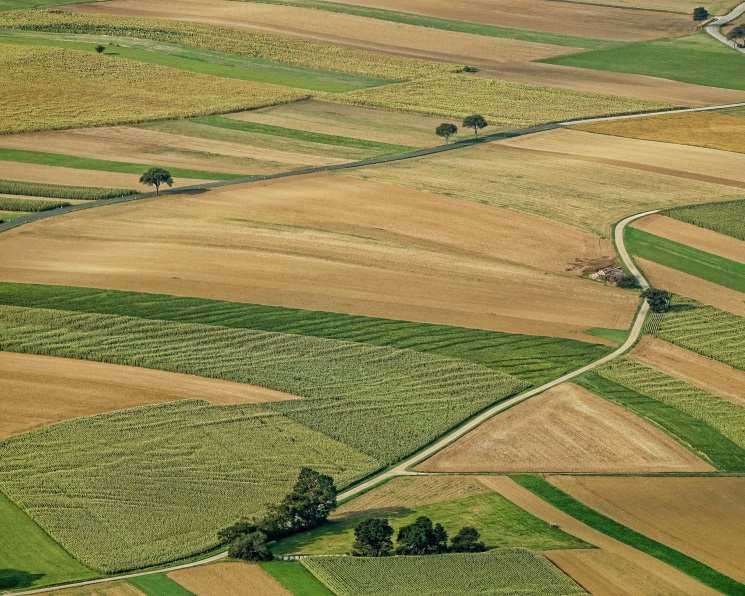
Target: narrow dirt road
{"points": [[713, 28]]}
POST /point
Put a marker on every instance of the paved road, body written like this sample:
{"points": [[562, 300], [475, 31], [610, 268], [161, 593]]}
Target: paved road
{"points": [[713, 27]]}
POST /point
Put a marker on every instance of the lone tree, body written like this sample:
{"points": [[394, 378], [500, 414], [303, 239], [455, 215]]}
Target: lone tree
{"points": [[700, 14], [446, 130], [467, 541], [250, 547], [100, 49], [476, 121], [737, 33], [657, 299], [156, 177], [373, 538], [421, 538]]}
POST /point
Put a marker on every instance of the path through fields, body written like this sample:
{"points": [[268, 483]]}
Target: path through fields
{"points": [[713, 28]]}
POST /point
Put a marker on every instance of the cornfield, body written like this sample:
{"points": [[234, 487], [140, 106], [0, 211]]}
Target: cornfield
{"points": [[726, 218], [58, 191], [14, 204], [502, 571]]}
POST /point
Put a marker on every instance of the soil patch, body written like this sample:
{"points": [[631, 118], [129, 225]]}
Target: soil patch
{"points": [[105, 589], [228, 579]]}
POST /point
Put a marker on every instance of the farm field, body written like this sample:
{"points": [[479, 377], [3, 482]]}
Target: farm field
{"points": [[343, 246], [228, 579], [725, 218], [54, 176], [158, 584], [717, 7], [702, 129], [296, 578], [120, 588], [42, 390], [31, 190], [701, 517], [565, 429], [517, 570]]}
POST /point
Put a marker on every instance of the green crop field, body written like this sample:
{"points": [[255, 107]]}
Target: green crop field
{"points": [[28, 557], [145, 486], [500, 522], [726, 218], [16, 4], [158, 584], [383, 401], [534, 359], [706, 330], [296, 578], [503, 571], [29, 205], [675, 255], [59, 191], [696, 59]]}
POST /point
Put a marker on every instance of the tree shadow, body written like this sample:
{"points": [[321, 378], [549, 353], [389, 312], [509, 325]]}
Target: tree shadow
{"points": [[15, 578]]}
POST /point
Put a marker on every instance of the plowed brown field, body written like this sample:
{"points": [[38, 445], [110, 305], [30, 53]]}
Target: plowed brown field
{"points": [[606, 573], [339, 29], [565, 429], [42, 390], [104, 589], [337, 244], [544, 15], [701, 517], [717, 7], [700, 238], [692, 368], [694, 287], [228, 579]]}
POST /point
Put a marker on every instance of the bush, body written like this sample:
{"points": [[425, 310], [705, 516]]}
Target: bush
{"points": [[700, 14], [467, 541], [250, 547], [657, 299], [627, 282]]}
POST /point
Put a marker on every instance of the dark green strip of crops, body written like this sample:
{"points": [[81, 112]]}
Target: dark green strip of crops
{"points": [[296, 578], [691, 432], [103, 165], [158, 584], [559, 499], [687, 259], [59, 191], [302, 135], [420, 20], [534, 359], [29, 205]]}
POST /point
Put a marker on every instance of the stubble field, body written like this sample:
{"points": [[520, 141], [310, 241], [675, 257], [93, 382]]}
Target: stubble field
{"points": [[228, 579]]}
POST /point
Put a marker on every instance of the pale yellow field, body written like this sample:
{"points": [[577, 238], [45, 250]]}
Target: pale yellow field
{"points": [[717, 7], [585, 194], [701, 517], [228, 579], [337, 244]]}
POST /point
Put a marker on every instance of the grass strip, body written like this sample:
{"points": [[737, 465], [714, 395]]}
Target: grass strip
{"points": [[534, 359], [313, 137], [158, 584], [103, 165], [60, 191], [687, 259], [727, 217], [694, 434], [29, 205], [561, 500], [296, 578], [16, 4], [420, 20]]}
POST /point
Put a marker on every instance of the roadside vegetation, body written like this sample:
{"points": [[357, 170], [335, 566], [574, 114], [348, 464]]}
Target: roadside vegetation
{"points": [[726, 218]]}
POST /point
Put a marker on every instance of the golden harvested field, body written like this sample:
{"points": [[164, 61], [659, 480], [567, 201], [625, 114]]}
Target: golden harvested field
{"points": [[545, 15], [502, 103], [701, 517], [717, 7], [565, 429], [333, 243], [331, 118], [336, 28], [105, 589], [710, 375], [616, 569], [405, 492], [99, 89], [702, 129], [694, 287], [585, 194], [228, 579], [695, 163], [700, 238], [42, 390]]}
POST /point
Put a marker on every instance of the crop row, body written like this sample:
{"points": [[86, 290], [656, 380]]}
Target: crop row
{"points": [[503, 571], [383, 401], [723, 415], [58, 191], [726, 218], [259, 46], [148, 485], [17, 204]]}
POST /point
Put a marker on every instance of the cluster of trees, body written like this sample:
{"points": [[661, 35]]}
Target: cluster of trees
{"points": [[700, 14], [308, 506], [374, 539], [447, 130], [737, 33], [657, 299]]}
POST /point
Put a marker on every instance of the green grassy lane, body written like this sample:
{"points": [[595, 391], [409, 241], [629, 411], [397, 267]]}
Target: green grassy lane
{"points": [[158, 584]]}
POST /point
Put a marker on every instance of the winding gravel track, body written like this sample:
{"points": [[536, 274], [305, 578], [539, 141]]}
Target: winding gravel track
{"points": [[713, 28]]}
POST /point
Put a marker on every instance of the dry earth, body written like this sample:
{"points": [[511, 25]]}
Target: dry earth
{"points": [[696, 163], [701, 517], [104, 589], [710, 375], [614, 570], [717, 7], [228, 579], [42, 390], [333, 243], [694, 236], [544, 15], [336, 28], [694, 287], [565, 429]]}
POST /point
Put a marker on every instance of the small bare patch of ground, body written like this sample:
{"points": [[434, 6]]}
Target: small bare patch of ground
{"points": [[710, 375], [42, 390], [228, 579], [104, 589], [701, 517], [565, 429]]}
